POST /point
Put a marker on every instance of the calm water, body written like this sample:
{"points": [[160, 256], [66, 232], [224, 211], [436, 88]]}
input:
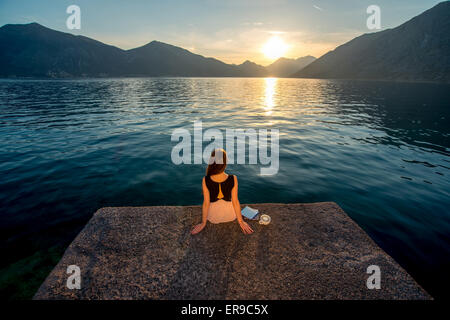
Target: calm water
{"points": [[380, 150]]}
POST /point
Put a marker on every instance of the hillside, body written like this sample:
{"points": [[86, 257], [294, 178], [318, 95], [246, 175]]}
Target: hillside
{"points": [[418, 50]]}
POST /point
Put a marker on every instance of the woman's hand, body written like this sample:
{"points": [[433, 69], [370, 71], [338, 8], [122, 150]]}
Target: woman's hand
{"points": [[199, 227], [245, 227]]}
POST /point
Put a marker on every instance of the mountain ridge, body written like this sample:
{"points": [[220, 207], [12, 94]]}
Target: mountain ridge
{"points": [[33, 50], [417, 50], [283, 67]]}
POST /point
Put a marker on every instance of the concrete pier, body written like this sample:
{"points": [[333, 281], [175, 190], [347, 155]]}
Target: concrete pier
{"points": [[309, 251]]}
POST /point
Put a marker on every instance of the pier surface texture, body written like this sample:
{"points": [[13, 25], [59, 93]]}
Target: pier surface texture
{"points": [[308, 251]]}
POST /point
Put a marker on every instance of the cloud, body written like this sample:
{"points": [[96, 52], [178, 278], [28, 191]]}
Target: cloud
{"points": [[318, 8]]}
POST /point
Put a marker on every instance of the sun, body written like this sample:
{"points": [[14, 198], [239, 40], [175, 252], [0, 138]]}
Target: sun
{"points": [[274, 48]]}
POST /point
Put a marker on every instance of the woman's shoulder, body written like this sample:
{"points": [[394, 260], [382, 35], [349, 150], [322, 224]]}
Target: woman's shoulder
{"points": [[230, 177]]}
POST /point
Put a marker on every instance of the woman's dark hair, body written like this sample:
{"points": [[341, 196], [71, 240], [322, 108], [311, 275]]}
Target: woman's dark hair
{"points": [[217, 162]]}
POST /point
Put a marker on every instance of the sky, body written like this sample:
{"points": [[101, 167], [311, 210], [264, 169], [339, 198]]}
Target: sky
{"points": [[230, 30]]}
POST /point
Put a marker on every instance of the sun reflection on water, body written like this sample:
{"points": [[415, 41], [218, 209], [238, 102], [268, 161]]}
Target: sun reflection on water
{"points": [[270, 91]]}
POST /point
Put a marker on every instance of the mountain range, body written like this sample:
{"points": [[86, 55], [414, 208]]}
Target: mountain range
{"points": [[32, 50], [283, 66], [418, 50]]}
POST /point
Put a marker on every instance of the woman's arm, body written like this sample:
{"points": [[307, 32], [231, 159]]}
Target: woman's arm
{"points": [[199, 227], [206, 201], [237, 208]]}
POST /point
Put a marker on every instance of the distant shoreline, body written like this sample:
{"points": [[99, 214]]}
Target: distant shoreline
{"points": [[217, 77]]}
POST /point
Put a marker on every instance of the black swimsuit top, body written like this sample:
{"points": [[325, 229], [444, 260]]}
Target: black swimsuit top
{"points": [[220, 190]]}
